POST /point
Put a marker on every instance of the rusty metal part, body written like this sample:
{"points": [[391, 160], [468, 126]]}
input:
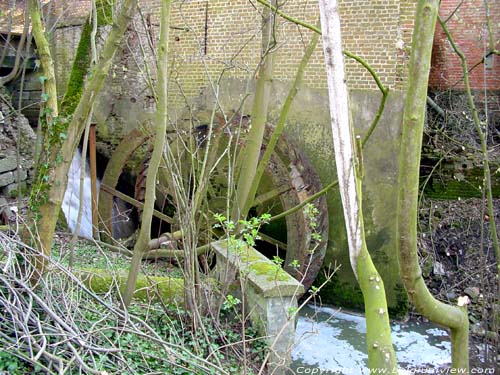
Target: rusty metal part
{"points": [[290, 167], [111, 175]]}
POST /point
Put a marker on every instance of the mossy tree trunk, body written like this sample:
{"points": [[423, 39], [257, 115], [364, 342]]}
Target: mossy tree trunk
{"points": [[49, 120], [63, 137], [46, 62], [407, 215], [142, 242], [349, 165]]}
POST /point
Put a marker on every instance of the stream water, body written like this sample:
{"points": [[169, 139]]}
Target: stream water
{"points": [[329, 341]]}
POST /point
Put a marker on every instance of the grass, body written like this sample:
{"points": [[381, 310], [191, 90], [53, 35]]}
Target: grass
{"points": [[87, 254]]}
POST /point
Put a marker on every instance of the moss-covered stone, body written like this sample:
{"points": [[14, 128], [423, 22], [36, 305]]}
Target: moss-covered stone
{"points": [[268, 279], [148, 288], [272, 271], [340, 293], [460, 179]]}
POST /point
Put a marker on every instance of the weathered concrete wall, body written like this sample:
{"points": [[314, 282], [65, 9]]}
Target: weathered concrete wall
{"points": [[309, 127], [270, 296]]}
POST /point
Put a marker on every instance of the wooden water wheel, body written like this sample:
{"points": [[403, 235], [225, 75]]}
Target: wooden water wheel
{"points": [[288, 181]]}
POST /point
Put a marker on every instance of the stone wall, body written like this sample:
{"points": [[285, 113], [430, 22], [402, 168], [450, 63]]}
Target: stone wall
{"points": [[15, 133], [467, 24], [27, 96]]}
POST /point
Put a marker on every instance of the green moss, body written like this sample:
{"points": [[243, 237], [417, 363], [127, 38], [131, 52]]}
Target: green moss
{"points": [[81, 64], [104, 10], [249, 257], [79, 70], [339, 293], [148, 288], [451, 182], [272, 270]]}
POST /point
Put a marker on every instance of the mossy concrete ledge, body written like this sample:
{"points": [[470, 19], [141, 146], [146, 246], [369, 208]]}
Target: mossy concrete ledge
{"points": [[270, 296], [148, 288]]}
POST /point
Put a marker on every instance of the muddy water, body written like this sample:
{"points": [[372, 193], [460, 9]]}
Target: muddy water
{"points": [[330, 341]]}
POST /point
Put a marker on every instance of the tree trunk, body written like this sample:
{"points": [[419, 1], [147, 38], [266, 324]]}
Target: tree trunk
{"points": [[48, 193], [49, 118], [381, 354], [280, 125], [142, 242], [413, 122], [249, 156], [46, 62]]}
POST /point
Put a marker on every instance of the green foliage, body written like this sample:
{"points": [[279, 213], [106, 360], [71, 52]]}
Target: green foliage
{"points": [[9, 363], [312, 214], [54, 129], [246, 233], [231, 302], [142, 353]]}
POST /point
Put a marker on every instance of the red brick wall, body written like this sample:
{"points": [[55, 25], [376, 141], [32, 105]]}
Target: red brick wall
{"points": [[468, 26]]}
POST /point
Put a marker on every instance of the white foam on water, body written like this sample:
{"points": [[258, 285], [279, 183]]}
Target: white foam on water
{"points": [[418, 350], [336, 341], [71, 200], [318, 345]]}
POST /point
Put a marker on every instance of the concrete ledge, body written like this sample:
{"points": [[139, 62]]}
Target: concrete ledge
{"points": [[267, 278], [270, 297]]}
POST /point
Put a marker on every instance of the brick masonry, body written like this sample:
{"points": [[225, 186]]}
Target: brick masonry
{"points": [[467, 24], [210, 39]]}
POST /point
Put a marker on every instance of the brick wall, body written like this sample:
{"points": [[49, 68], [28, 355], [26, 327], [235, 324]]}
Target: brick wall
{"points": [[467, 24], [375, 30], [216, 38]]}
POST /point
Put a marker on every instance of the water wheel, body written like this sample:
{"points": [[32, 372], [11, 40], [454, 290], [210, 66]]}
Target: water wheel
{"points": [[289, 180]]}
